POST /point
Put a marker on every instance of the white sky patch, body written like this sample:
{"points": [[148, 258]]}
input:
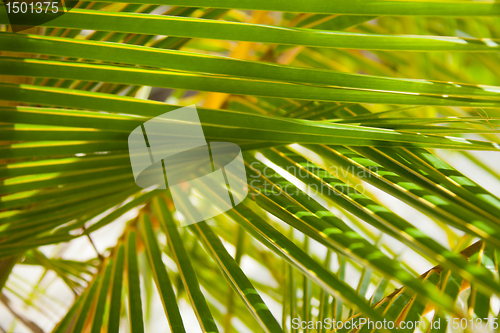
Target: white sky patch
{"points": [[489, 42], [461, 140], [285, 174], [490, 88]]}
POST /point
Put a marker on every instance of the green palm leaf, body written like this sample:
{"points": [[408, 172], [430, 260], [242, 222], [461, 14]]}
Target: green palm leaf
{"points": [[348, 113]]}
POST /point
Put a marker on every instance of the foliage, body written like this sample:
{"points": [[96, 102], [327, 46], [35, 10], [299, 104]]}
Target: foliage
{"points": [[338, 106]]}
